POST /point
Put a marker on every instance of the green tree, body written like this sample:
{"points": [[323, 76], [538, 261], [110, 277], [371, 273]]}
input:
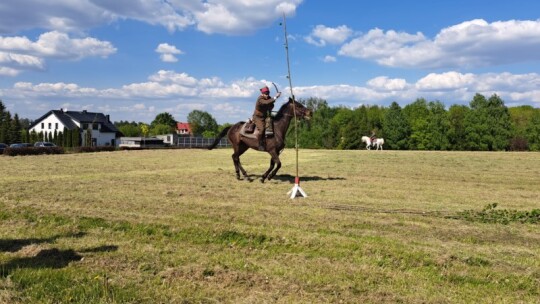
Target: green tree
{"points": [[164, 119], [201, 121], [76, 137], [145, 129], [520, 118], [15, 129], [128, 129], [477, 125], [316, 133], [533, 131], [437, 127], [68, 138], [160, 129], [88, 137], [396, 128], [488, 124], [501, 125], [417, 115], [5, 128], [456, 127]]}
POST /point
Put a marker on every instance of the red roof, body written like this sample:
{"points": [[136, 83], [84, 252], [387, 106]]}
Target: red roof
{"points": [[183, 127]]}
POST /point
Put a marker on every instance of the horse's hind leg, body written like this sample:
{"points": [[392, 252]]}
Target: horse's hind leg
{"points": [[236, 160]]}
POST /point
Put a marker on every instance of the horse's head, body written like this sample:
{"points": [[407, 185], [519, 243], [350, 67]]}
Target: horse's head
{"points": [[300, 110]]}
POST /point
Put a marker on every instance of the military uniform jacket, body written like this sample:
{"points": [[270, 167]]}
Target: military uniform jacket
{"points": [[263, 105]]}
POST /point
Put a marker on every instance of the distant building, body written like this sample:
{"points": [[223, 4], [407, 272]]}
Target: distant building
{"points": [[169, 139], [104, 133], [183, 129], [140, 142]]}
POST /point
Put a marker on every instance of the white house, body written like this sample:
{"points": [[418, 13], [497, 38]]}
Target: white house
{"points": [[104, 133]]}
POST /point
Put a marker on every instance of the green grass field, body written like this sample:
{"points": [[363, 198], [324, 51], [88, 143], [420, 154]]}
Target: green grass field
{"points": [[175, 226]]}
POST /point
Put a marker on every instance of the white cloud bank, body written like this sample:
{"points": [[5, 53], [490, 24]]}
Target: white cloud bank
{"points": [[232, 17], [179, 93], [475, 43]]}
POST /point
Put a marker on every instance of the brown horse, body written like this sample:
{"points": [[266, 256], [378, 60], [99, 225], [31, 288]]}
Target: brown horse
{"points": [[274, 145]]}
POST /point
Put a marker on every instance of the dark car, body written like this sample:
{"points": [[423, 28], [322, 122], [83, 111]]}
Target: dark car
{"points": [[44, 144], [20, 145], [2, 147]]}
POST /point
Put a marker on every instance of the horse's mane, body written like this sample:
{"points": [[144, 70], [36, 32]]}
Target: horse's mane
{"points": [[281, 111]]}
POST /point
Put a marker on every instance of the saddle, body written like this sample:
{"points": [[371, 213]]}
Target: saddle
{"points": [[249, 129]]}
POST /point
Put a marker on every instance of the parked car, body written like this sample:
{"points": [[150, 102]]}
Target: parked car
{"points": [[20, 145], [44, 144], [2, 147]]}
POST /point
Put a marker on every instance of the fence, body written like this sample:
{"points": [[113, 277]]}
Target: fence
{"points": [[200, 142]]}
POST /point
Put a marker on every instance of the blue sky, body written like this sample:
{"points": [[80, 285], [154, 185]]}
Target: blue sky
{"points": [[134, 59]]}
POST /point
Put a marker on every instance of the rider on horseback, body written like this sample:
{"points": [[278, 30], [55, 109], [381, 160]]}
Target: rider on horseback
{"points": [[263, 108], [373, 137]]}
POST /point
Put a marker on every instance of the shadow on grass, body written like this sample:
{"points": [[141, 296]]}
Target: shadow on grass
{"points": [[14, 245], [50, 258], [289, 178], [47, 258]]}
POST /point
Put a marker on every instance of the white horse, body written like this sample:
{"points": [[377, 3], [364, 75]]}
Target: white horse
{"points": [[378, 143]]}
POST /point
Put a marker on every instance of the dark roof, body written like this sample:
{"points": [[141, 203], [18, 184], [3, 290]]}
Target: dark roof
{"points": [[68, 117]]}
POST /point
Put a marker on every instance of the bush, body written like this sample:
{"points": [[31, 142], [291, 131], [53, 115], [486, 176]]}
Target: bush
{"points": [[501, 216], [519, 144], [33, 151], [94, 149]]}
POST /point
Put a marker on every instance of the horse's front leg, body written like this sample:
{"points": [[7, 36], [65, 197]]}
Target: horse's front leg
{"points": [[265, 175], [278, 165]]}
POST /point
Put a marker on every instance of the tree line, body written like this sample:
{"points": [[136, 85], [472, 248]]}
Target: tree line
{"points": [[485, 125]]}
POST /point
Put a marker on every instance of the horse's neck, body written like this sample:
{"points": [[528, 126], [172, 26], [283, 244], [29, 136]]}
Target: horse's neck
{"points": [[282, 125]]}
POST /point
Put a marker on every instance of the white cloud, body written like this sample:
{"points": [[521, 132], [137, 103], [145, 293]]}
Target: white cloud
{"points": [[322, 35], [18, 54], [469, 44], [445, 81], [168, 52], [329, 58], [239, 17], [384, 83]]}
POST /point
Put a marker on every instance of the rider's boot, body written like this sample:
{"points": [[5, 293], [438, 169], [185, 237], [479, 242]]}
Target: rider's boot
{"points": [[261, 141]]}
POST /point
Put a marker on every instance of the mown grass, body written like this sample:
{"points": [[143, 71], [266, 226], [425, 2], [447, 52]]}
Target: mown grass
{"points": [[176, 226]]}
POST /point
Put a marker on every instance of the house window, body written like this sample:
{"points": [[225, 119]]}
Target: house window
{"points": [[56, 126], [84, 126], [42, 125], [95, 126], [50, 126]]}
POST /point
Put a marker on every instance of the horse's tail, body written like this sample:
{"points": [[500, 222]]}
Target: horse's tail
{"points": [[218, 139]]}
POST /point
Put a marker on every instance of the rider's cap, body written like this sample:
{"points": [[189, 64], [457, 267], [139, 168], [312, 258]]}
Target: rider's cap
{"points": [[265, 89]]}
